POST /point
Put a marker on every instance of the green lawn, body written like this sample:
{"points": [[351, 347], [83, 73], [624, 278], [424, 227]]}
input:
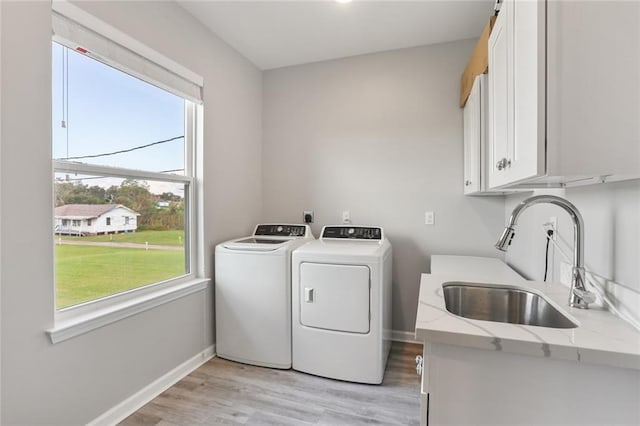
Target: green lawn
{"points": [[86, 273], [166, 238]]}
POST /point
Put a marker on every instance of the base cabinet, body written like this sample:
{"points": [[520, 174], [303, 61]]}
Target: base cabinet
{"points": [[473, 386]]}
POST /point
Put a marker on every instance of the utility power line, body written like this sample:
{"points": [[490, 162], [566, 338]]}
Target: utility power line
{"points": [[123, 150]]}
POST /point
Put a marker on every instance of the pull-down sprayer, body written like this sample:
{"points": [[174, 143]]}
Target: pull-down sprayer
{"points": [[579, 297]]}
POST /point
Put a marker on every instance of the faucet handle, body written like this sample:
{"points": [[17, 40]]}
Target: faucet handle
{"points": [[585, 295]]}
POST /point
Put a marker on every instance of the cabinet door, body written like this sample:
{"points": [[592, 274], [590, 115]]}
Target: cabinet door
{"points": [[500, 102], [472, 138], [526, 150], [517, 93]]}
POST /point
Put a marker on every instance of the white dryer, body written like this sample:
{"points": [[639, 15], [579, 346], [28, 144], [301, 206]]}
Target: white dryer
{"points": [[341, 304], [253, 295]]}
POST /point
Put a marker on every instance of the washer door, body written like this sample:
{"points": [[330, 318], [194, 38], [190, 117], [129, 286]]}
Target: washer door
{"points": [[335, 297]]}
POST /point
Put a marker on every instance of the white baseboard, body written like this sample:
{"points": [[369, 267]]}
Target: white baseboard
{"points": [[404, 336], [146, 394]]}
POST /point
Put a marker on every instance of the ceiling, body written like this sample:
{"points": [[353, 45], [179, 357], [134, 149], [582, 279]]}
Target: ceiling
{"points": [[275, 34]]}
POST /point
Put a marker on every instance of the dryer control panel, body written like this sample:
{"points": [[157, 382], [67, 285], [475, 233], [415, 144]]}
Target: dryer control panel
{"points": [[352, 232], [276, 230]]}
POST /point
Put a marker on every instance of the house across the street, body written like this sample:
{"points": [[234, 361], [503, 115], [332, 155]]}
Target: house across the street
{"points": [[94, 219]]}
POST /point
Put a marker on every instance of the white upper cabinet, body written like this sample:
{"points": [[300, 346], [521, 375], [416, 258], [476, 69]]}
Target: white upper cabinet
{"points": [[564, 93], [474, 137], [475, 140], [500, 102]]}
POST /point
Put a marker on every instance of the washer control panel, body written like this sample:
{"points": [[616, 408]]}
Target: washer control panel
{"points": [[281, 230], [352, 232]]}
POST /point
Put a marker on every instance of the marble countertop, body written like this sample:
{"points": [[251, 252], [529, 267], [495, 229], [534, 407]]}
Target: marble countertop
{"points": [[600, 338]]}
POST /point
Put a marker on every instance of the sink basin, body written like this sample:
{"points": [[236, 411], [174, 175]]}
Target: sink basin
{"points": [[502, 304]]}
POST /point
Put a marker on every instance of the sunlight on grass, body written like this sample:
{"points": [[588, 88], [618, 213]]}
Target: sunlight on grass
{"points": [[86, 273]]}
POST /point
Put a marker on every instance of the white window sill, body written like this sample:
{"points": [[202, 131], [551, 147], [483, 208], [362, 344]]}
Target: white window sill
{"points": [[69, 328]]}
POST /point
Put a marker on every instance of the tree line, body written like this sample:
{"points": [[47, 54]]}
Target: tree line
{"points": [[132, 194]]}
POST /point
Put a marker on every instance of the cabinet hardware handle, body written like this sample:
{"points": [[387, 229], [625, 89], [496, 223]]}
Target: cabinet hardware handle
{"points": [[419, 365], [502, 164]]}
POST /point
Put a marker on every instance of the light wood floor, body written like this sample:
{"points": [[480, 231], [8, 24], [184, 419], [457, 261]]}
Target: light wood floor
{"points": [[225, 392]]}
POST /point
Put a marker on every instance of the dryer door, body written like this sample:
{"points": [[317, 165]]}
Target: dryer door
{"points": [[334, 297]]}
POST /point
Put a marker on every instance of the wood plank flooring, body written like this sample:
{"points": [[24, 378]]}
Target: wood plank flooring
{"points": [[225, 392]]}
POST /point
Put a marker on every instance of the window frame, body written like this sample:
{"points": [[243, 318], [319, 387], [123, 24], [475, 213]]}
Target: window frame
{"points": [[83, 318], [190, 247], [63, 166], [188, 180]]}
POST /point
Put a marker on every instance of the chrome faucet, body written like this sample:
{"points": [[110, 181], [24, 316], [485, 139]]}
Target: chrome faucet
{"points": [[579, 297]]}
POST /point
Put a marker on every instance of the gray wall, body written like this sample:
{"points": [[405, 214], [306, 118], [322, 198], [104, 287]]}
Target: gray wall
{"points": [[75, 381], [611, 214], [379, 135]]}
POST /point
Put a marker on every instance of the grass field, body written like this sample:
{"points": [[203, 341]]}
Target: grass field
{"points": [[165, 238], [86, 273]]}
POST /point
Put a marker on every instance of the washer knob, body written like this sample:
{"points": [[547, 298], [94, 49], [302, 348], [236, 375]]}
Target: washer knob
{"points": [[279, 229], [351, 231]]}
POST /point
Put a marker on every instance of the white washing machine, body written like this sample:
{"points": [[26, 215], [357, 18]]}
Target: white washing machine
{"points": [[253, 295], [341, 304]]}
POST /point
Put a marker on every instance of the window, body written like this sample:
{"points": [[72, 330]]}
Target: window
{"points": [[119, 144]]}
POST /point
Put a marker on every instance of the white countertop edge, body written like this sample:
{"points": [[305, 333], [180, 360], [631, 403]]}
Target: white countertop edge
{"points": [[540, 350]]}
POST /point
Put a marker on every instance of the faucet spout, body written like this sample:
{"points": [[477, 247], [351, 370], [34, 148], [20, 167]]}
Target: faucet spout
{"points": [[579, 297]]}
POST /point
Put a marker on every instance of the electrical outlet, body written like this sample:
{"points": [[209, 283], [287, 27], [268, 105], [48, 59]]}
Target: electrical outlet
{"points": [[429, 218], [346, 217], [553, 222], [307, 216], [566, 273]]}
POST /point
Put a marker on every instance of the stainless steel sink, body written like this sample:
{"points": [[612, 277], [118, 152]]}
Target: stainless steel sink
{"points": [[502, 304]]}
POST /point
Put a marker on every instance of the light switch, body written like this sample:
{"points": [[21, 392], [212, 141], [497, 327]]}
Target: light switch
{"points": [[429, 218]]}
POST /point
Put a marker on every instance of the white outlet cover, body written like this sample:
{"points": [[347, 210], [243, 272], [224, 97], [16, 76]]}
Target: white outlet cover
{"points": [[429, 218], [553, 220], [346, 216]]}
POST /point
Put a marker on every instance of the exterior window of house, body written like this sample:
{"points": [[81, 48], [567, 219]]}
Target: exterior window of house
{"points": [[75, 222], [122, 140]]}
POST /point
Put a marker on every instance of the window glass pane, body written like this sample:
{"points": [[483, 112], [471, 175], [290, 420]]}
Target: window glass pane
{"points": [[115, 234], [106, 117]]}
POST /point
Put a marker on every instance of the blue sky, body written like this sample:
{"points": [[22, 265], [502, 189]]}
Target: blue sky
{"points": [[108, 111]]}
